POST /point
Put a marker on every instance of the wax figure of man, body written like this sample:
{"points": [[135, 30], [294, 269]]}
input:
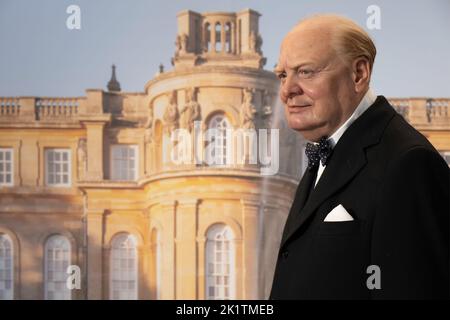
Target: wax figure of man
{"points": [[370, 218]]}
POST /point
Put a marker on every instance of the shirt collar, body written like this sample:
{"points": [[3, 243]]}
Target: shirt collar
{"points": [[368, 99]]}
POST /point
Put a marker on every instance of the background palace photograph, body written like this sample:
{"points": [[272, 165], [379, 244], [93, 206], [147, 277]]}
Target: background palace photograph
{"points": [[86, 116]]}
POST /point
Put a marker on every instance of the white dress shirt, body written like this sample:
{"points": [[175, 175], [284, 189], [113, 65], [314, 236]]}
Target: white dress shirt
{"points": [[368, 99]]}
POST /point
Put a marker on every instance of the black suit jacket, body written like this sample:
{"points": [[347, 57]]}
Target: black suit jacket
{"points": [[396, 186]]}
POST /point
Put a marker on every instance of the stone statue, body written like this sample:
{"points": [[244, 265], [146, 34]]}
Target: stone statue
{"points": [[177, 45], [149, 125], [258, 44], [248, 110], [171, 115], [181, 44], [191, 111], [82, 158], [267, 109], [184, 42]]}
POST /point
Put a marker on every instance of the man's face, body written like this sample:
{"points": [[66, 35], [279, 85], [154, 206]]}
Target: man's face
{"points": [[316, 85]]}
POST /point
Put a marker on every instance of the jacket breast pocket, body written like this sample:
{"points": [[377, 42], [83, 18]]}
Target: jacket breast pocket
{"points": [[338, 255], [340, 228]]}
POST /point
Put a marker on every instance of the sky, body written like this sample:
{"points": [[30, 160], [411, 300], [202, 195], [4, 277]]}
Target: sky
{"points": [[40, 56]]}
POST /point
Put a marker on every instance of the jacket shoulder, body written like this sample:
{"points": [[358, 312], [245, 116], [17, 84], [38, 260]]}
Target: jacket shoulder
{"points": [[395, 139], [402, 142]]}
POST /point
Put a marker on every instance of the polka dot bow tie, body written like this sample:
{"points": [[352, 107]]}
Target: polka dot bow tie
{"points": [[318, 152]]}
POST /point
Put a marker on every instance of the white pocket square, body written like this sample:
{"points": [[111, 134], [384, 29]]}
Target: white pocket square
{"points": [[338, 214]]}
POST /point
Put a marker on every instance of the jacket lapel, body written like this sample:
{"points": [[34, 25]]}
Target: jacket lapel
{"points": [[347, 160], [300, 198]]}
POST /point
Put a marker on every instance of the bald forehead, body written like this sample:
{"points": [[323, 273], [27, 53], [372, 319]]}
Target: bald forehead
{"points": [[309, 39], [325, 23], [311, 29]]}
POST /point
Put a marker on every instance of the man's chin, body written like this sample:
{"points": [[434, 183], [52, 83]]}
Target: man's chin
{"points": [[308, 132], [297, 125]]}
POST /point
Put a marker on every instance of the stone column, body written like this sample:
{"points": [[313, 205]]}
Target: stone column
{"points": [[250, 214], [213, 36], [201, 244], [186, 251], [274, 217], [95, 254], [143, 252], [168, 251], [31, 266], [223, 36], [94, 150], [30, 173], [233, 37]]}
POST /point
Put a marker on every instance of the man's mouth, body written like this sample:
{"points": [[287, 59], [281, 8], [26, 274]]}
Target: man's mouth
{"points": [[297, 108]]}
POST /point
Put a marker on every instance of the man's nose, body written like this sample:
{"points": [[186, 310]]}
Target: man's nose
{"points": [[290, 88]]}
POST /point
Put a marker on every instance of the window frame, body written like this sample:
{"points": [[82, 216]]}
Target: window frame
{"points": [[47, 167], [136, 161], [212, 233], [9, 240], [225, 143], [9, 150], [135, 267], [46, 265]]}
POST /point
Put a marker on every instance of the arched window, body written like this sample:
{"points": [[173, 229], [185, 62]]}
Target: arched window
{"points": [[220, 256], [123, 270], [57, 259], [218, 30], [6, 268], [219, 140]]}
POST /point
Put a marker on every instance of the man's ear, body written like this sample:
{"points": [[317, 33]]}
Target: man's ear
{"points": [[361, 73]]}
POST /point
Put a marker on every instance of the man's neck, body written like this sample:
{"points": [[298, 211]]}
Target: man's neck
{"points": [[365, 102]]}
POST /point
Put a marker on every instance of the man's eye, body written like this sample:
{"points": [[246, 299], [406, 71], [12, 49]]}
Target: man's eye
{"points": [[305, 72], [282, 75]]}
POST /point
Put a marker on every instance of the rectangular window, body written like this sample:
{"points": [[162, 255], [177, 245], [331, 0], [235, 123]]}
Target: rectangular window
{"points": [[6, 167], [57, 167], [124, 162]]}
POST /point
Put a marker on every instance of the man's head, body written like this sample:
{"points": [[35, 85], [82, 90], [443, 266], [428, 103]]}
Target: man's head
{"points": [[325, 66]]}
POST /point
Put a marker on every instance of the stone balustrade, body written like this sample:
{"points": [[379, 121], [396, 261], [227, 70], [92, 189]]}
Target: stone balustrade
{"points": [[56, 108], [423, 111], [401, 106], [9, 106], [38, 108], [437, 108]]}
